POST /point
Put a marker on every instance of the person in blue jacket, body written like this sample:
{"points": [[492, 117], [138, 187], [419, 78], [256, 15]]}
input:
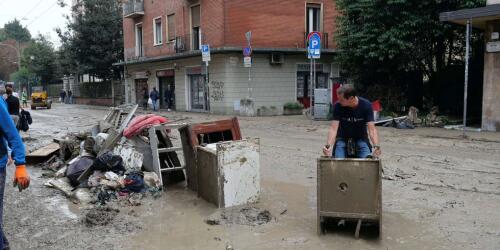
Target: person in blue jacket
{"points": [[9, 136]]}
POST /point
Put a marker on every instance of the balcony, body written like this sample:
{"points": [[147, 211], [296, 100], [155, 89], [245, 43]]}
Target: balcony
{"points": [[133, 9], [186, 43], [324, 40]]}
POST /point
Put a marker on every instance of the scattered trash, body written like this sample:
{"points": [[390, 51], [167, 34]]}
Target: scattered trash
{"points": [[77, 168]]}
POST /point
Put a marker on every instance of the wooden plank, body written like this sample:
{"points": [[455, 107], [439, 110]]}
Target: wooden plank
{"points": [[45, 151]]}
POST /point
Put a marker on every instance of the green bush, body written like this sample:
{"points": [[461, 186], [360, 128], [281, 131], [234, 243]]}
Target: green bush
{"points": [[293, 105]]}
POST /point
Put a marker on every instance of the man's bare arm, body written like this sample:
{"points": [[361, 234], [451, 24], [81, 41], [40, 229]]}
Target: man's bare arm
{"points": [[373, 133], [330, 141]]}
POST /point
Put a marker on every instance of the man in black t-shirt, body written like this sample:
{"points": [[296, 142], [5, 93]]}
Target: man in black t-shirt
{"points": [[352, 125]]}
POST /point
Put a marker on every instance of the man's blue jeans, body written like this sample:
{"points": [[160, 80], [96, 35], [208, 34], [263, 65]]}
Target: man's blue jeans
{"points": [[362, 149], [155, 105], [3, 241]]}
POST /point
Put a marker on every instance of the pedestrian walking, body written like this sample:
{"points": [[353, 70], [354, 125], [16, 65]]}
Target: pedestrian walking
{"points": [[24, 98], [168, 97], [62, 96], [12, 105], [70, 96], [154, 95]]}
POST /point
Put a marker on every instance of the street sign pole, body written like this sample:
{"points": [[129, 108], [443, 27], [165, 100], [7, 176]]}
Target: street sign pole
{"points": [[313, 53], [247, 52], [205, 55]]}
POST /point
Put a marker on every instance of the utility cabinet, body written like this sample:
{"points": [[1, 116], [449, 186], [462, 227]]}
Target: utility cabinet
{"points": [[350, 190], [229, 172]]}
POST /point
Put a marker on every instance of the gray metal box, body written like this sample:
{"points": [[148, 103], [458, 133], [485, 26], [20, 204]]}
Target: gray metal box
{"points": [[321, 111], [349, 189], [229, 172], [322, 96]]}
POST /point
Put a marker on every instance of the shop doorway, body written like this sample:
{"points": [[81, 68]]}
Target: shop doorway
{"points": [[303, 86], [198, 92], [140, 86], [167, 92]]}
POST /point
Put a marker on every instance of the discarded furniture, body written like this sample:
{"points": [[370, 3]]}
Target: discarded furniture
{"points": [[120, 116], [117, 118], [115, 122], [229, 172], [201, 133], [166, 163], [42, 154], [349, 190]]}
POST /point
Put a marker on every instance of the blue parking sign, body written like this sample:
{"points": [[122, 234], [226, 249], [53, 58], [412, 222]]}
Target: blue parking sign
{"points": [[314, 46], [205, 52]]}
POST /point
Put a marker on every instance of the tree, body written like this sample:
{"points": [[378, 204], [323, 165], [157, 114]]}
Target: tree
{"points": [[40, 58], [386, 41], [22, 76], [14, 30], [94, 38]]}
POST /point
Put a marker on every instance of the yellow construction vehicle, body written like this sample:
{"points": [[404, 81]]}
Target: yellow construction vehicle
{"points": [[40, 98]]}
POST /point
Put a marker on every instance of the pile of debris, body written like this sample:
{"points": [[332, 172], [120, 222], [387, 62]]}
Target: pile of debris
{"points": [[125, 158], [102, 165], [412, 120]]}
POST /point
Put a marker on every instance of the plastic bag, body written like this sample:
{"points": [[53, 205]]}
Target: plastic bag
{"points": [[150, 102]]}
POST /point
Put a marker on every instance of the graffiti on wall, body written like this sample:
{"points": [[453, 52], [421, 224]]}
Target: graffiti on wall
{"points": [[217, 91]]}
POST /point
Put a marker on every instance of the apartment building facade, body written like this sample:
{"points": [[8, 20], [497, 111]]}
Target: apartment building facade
{"points": [[162, 41]]}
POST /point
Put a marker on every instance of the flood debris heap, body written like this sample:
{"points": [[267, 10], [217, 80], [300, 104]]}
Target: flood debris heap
{"points": [[125, 157]]}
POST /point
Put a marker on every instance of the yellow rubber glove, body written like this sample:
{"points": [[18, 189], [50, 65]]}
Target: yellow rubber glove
{"points": [[22, 178]]}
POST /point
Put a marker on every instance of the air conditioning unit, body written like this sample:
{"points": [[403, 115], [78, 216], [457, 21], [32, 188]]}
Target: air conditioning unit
{"points": [[277, 58]]}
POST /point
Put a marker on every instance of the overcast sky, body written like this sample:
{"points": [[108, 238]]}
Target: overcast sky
{"points": [[39, 16]]}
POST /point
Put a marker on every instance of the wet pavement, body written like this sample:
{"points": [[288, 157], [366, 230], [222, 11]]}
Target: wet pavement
{"points": [[443, 193]]}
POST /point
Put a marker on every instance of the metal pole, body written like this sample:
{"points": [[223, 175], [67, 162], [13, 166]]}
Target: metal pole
{"points": [[313, 85], [208, 87], [249, 82], [466, 81], [310, 86]]}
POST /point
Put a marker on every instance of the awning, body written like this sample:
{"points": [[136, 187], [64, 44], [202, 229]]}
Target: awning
{"points": [[479, 16]]}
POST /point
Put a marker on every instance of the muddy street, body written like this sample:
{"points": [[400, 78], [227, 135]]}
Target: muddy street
{"points": [[439, 192]]}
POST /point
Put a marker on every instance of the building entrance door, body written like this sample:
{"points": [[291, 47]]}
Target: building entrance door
{"points": [[140, 85], [198, 93]]}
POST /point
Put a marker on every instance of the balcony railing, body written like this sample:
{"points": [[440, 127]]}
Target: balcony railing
{"points": [[186, 43], [133, 8], [324, 40]]}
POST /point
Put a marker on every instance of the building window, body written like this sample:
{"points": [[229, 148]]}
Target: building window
{"points": [[195, 27], [139, 50], [171, 27], [157, 31], [313, 18]]}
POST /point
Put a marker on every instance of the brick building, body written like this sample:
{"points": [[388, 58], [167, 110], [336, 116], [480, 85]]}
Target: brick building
{"points": [[162, 41]]}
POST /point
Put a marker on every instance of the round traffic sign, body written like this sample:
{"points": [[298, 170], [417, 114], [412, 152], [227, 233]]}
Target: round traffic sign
{"points": [[247, 51]]}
